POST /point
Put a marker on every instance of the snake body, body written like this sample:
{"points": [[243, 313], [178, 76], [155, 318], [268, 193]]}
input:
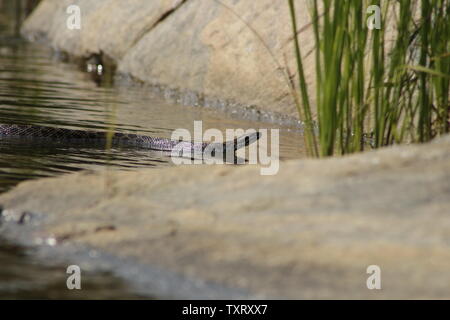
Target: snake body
{"points": [[181, 148]]}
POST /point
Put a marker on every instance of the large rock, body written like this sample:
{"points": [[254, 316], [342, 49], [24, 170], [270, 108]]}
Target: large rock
{"points": [[221, 53], [108, 26], [309, 232], [213, 50], [232, 54]]}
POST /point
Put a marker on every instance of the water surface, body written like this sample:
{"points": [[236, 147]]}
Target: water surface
{"points": [[36, 89]]}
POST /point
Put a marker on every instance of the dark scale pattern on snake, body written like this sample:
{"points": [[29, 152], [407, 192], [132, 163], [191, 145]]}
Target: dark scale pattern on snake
{"points": [[182, 148]]}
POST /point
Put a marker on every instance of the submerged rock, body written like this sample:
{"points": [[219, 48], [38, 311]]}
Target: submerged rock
{"points": [[309, 232]]}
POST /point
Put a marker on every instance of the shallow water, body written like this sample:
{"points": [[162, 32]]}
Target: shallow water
{"points": [[22, 277], [36, 87]]}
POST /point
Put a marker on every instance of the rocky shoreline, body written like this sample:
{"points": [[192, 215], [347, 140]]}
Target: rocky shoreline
{"points": [[309, 232]]}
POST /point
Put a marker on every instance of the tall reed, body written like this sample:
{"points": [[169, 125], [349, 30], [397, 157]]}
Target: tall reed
{"points": [[383, 85]]}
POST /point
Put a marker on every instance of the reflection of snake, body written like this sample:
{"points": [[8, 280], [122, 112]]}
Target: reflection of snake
{"points": [[181, 148]]}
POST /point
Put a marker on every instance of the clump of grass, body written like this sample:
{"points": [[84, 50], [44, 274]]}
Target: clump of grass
{"points": [[391, 86]]}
